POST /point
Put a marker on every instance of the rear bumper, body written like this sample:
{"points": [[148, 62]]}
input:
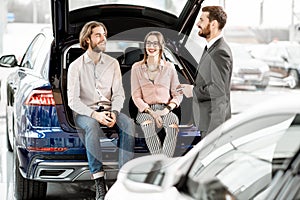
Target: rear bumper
{"points": [[60, 171], [72, 165], [68, 166]]}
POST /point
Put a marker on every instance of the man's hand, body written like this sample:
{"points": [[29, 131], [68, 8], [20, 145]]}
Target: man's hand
{"points": [[114, 119], [105, 118], [185, 89]]}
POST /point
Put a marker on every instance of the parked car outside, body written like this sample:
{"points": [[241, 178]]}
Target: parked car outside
{"points": [[242, 154], [248, 71], [283, 58], [40, 126]]}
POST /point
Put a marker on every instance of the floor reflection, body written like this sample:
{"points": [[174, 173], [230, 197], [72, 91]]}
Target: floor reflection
{"points": [[6, 168]]}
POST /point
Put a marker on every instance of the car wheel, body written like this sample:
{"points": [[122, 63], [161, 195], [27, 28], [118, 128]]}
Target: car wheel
{"points": [[261, 87], [293, 79], [264, 83], [27, 189]]}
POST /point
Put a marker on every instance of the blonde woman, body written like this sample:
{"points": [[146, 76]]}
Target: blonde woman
{"points": [[153, 87]]}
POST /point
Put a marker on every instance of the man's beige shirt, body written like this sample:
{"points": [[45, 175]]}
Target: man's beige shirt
{"points": [[90, 85]]}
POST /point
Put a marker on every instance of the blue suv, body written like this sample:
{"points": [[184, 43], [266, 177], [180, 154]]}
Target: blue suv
{"points": [[40, 128]]}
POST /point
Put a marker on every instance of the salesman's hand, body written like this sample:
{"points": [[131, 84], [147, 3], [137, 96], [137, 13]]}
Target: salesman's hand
{"points": [[185, 89]]}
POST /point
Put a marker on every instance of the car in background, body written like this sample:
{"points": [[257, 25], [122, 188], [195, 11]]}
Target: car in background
{"points": [[243, 154], [247, 71], [10, 17], [283, 58], [40, 127]]}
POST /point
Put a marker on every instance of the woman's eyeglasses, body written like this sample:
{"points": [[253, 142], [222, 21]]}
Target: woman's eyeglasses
{"points": [[154, 44]]}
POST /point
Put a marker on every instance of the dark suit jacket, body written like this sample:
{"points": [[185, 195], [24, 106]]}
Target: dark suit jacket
{"points": [[211, 102]]}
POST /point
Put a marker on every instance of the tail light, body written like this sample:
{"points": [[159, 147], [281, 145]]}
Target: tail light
{"points": [[40, 98]]}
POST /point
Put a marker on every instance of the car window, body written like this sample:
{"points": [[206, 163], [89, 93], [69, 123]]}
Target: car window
{"points": [[117, 49], [120, 46], [286, 182], [295, 188], [32, 53], [245, 162]]}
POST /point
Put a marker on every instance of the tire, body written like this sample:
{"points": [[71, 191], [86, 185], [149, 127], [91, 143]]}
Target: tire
{"points": [[25, 189], [261, 87], [264, 84], [293, 75]]}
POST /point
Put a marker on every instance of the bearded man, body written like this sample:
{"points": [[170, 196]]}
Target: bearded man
{"points": [[211, 89], [96, 96]]}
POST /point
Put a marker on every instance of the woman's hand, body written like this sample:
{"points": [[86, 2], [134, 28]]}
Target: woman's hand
{"points": [[157, 118], [167, 109], [163, 112]]}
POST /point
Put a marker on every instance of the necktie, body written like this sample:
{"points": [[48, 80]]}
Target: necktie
{"points": [[205, 50], [203, 55]]}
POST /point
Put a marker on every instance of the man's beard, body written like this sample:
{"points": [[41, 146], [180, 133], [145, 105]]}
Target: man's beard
{"points": [[98, 49], [205, 32]]}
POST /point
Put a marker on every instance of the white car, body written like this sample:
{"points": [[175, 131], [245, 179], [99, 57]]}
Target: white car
{"points": [[283, 58], [248, 71], [242, 154]]}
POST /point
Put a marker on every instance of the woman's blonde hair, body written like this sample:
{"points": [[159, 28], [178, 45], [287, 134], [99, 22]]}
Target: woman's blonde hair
{"points": [[161, 42], [87, 31]]}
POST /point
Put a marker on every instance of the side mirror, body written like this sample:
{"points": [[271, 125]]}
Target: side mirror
{"points": [[8, 61], [148, 170]]}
